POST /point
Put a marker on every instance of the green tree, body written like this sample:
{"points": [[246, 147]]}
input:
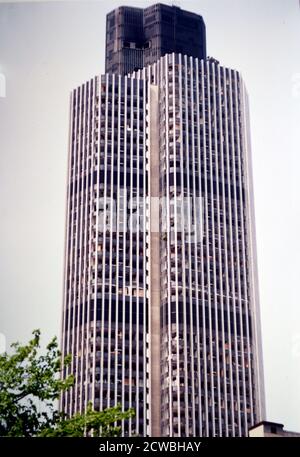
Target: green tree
{"points": [[98, 423], [30, 383]]}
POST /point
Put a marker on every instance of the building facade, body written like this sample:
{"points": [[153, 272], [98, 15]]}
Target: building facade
{"points": [[267, 429], [161, 309]]}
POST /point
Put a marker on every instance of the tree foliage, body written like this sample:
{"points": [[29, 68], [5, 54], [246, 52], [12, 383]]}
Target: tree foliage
{"points": [[30, 382], [91, 423]]}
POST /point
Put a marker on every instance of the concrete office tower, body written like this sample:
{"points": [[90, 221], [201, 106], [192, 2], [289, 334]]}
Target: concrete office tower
{"points": [[136, 37], [161, 309]]}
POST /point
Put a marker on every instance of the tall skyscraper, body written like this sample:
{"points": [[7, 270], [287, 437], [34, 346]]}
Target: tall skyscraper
{"points": [[161, 308]]}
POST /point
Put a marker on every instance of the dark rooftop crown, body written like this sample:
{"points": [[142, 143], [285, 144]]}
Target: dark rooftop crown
{"points": [[137, 37]]}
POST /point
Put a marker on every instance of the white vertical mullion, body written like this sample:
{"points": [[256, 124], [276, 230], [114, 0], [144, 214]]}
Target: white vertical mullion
{"points": [[167, 80], [228, 249], [216, 211], [189, 350], [192, 210], [82, 255], [210, 286], [124, 247], [148, 216], [80, 233], [213, 295], [107, 82], [145, 263], [205, 227], [184, 154], [179, 73], [75, 339], [198, 260], [74, 243], [244, 180], [131, 248], [221, 205], [68, 245], [72, 255], [138, 232], [147, 306], [111, 231], [145, 298], [232, 288], [235, 256], [239, 212], [84, 333], [89, 219], [98, 159], [117, 294]]}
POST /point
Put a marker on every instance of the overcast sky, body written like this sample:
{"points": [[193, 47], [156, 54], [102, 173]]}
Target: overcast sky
{"points": [[48, 48]]}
